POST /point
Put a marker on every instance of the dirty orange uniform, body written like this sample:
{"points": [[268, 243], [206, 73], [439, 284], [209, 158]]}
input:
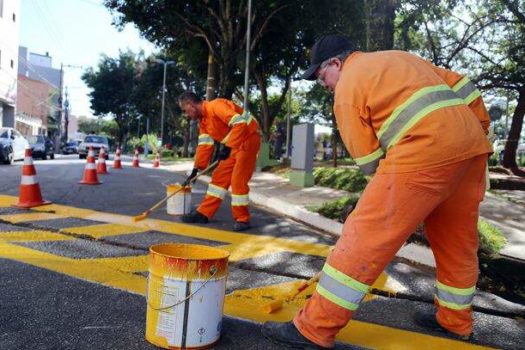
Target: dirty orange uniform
{"points": [[225, 122], [421, 129]]}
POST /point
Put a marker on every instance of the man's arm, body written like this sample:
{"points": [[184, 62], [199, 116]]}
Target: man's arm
{"points": [[204, 150], [467, 91]]}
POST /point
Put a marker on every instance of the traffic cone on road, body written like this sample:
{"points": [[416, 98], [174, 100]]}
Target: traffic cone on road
{"points": [[30, 195], [90, 171], [116, 163], [135, 161], [101, 164], [156, 162]]}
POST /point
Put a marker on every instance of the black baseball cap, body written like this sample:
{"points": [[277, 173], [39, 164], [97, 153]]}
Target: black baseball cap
{"points": [[326, 47]]}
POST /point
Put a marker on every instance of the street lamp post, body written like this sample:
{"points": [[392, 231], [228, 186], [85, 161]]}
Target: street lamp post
{"points": [[165, 63]]}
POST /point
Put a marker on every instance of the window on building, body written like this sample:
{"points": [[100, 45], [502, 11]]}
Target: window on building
{"points": [[14, 17], [1, 8], [12, 64], [0, 55]]}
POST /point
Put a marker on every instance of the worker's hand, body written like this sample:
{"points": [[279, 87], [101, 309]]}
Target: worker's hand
{"points": [[190, 178], [224, 152]]}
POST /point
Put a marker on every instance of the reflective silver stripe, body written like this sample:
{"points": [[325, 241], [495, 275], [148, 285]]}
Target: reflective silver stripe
{"points": [[454, 298], [236, 119], [28, 180], [90, 166], [28, 161], [240, 199], [466, 90], [340, 290], [205, 139], [369, 163], [216, 191], [420, 104]]}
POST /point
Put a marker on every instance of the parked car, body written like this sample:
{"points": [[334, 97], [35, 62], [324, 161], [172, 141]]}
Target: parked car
{"points": [[12, 145], [70, 147], [95, 141], [42, 147]]}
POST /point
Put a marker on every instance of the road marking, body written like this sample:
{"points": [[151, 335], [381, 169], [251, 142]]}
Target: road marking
{"points": [[121, 273], [33, 236], [24, 217], [103, 230]]}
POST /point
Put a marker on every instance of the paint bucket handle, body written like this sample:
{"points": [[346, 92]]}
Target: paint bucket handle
{"points": [[213, 271]]}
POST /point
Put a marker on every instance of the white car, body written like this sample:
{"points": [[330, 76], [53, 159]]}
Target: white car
{"points": [[12, 145], [94, 141]]}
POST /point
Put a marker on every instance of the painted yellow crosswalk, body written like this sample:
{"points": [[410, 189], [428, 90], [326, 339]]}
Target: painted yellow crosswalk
{"points": [[128, 272]]}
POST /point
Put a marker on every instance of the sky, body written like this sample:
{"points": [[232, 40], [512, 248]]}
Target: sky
{"points": [[76, 33]]}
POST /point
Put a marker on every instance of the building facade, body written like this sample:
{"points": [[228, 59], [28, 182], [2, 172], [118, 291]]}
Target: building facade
{"points": [[9, 34], [38, 105]]}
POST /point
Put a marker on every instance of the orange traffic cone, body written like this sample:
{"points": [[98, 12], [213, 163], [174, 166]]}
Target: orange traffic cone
{"points": [[116, 163], [156, 163], [90, 171], [30, 195], [101, 164], [135, 161]]}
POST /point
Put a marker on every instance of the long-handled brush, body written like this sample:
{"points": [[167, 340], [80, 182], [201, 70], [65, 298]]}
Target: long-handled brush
{"points": [[278, 304], [147, 212]]}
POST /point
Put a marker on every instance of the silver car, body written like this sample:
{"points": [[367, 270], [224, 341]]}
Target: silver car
{"points": [[94, 141], [12, 145]]}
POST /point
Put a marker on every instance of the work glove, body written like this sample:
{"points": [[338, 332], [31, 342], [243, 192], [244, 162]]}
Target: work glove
{"points": [[224, 152], [190, 178]]}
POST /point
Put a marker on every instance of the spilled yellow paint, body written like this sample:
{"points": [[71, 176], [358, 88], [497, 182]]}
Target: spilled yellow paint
{"points": [[103, 230], [34, 236], [24, 217]]}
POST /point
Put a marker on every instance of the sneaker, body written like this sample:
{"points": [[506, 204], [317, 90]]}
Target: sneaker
{"points": [[195, 217], [241, 226], [285, 334], [429, 322]]}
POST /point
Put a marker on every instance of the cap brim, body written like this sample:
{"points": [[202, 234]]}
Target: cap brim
{"points": [[310, 72]]}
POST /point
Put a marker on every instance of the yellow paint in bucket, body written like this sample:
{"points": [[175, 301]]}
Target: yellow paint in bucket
{"points": [[180, 203], [186, 287]]}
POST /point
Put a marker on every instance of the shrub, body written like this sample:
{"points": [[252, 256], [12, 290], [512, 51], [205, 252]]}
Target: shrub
{"points": [[491, 239], [347, 179], [334, 209]]}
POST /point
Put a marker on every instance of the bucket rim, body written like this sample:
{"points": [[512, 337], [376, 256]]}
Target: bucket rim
{"points": [[154, 249]]}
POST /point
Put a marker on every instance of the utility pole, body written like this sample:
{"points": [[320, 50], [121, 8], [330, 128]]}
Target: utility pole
{"points": [[66, 116], [165, 63]]}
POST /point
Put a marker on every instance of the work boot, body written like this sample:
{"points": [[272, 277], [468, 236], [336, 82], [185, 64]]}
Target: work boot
{"points": [[285, 334], [429, 322], [241, 226], [195, 218]]}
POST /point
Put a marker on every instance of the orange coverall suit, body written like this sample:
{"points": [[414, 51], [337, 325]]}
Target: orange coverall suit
{"points": [[422, 131], [225, 122]]}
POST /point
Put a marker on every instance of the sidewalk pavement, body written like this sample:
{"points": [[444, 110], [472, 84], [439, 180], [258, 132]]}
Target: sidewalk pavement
{"points": [[276, 194]]}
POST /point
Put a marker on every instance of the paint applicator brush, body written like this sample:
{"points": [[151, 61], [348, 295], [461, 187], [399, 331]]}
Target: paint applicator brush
{"points": [[278, 304]]}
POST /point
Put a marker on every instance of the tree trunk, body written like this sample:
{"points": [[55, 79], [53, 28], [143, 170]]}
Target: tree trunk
{"points": [[211, 82], [186, 140], [509, 156], [380, 24], [265, 108]]}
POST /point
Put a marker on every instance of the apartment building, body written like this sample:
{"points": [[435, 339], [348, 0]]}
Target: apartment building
{"points": [[9, 42]]}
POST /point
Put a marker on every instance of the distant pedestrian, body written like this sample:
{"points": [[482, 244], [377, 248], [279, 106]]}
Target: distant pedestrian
{"points": [[422, 130], [237, 132]]}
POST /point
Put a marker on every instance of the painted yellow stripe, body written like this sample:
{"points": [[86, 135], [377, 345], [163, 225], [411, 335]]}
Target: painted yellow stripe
{"points": [[103, 230], [24, 217], [85, 269], [129, 264], [36, 236]]}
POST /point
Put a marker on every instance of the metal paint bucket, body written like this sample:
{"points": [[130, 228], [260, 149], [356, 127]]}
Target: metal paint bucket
{"points": [[180, 203], [185, 297]]}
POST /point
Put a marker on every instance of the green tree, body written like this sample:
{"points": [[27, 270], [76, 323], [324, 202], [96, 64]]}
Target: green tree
{"points": [[112, 84]]}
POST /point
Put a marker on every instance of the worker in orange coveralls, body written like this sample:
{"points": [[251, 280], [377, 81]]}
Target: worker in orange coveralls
{"points": [[422, 131], [238, 133]]}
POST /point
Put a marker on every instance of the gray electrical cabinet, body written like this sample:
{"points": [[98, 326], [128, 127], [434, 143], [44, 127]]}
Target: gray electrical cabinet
{"points": [[302, 155]]}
